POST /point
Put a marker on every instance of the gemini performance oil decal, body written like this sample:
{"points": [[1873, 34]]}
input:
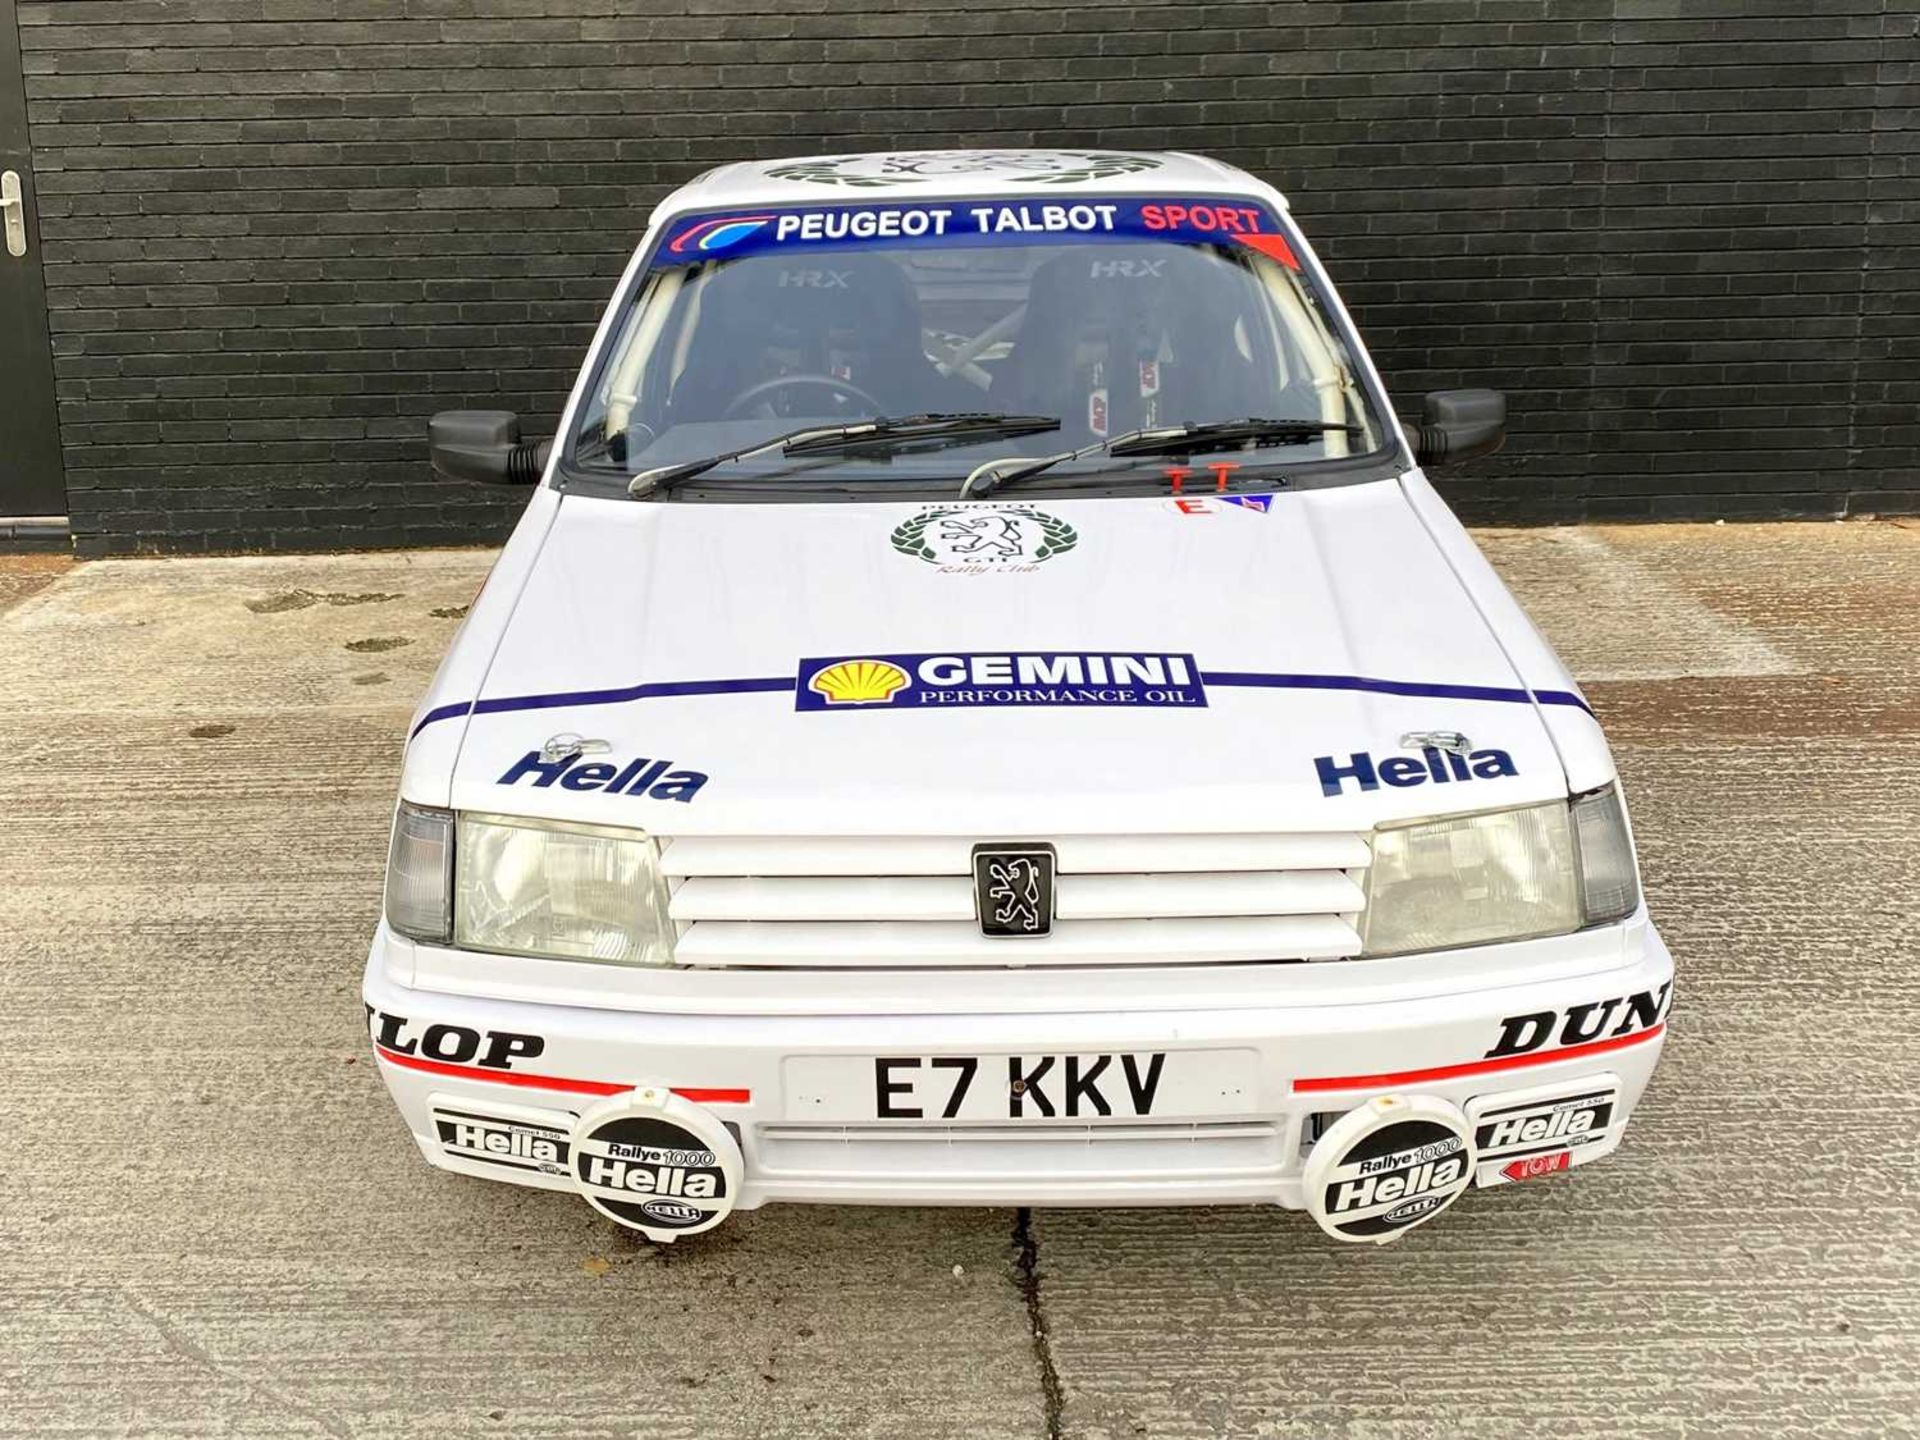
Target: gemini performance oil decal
{"points": [[1057, 678]]}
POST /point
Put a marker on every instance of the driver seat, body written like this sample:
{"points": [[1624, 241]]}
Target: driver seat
{"points": [[852, 317]]}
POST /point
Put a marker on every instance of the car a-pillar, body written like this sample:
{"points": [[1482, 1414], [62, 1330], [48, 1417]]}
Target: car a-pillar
{"points": [[657, 1163]]}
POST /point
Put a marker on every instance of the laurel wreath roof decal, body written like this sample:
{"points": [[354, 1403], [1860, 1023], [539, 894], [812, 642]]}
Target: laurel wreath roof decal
{"points": [[913, 169]]}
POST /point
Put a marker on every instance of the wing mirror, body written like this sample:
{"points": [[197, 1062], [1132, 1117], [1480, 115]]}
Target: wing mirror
{"points": [[1460, 425], [484, 446]]}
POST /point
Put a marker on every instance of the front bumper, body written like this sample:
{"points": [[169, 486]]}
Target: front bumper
{"points": [[1255, 1087]]}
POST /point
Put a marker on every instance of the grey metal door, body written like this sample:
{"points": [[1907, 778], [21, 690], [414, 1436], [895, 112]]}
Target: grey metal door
{"points": [[31, 480]]}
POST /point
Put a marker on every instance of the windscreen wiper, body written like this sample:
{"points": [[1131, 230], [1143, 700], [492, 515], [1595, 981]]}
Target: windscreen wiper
{"points": [[1223, 435], [879, 435], [1160, 440]]}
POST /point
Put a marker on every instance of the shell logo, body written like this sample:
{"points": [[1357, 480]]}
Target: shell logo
{"points": [[859, 682]]}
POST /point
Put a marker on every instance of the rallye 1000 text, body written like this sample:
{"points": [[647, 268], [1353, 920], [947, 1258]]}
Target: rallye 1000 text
{"points": [[983, 706]]}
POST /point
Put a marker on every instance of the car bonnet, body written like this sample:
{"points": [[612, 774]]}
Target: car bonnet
{"points": [[1038, 666]]}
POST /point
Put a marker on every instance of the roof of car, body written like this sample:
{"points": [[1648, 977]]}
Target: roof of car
{"points": [[961, 174]]}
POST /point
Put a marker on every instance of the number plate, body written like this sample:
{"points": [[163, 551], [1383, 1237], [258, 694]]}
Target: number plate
{"points": [[1035, 1085]]}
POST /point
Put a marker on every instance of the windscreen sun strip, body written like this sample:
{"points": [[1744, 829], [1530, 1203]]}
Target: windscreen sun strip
{"points": [[800, 229]]}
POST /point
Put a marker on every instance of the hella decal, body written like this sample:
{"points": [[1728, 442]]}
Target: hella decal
{"points": [[667, 1172], [1534, 1126], [1525, 1134], [510, 1143], [650, 778], [1394, 1163], [1583, 1024], [1403, 770], [1410, 1178], [652, 1161], [865, 682], [454, 1044], [1568, 1123], [672, 1212]]}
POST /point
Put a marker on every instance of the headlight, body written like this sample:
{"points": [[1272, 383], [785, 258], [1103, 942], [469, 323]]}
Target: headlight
{"points": [[1508, 875], [560, 891], [419, 867], [1471, 879]]}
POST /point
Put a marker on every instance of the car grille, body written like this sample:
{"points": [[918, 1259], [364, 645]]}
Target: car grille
{"points": [[910, 1157], [893, 902]]}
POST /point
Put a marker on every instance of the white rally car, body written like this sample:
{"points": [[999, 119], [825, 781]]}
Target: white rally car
{"points": [[984, 707]]}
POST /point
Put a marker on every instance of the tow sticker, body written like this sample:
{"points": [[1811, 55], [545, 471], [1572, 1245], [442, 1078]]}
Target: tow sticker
{"points": [[1394, 1163], [656, 1163]]}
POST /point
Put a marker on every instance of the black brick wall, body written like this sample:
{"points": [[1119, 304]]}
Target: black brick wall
{"points": [[279, 233]]}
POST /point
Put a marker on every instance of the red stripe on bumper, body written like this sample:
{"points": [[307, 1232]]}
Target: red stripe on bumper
{"points": [[695, 1093], [1475, 1067]]}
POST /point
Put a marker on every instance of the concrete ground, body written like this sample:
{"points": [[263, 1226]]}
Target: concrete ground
{"points": [[211, 1221]]}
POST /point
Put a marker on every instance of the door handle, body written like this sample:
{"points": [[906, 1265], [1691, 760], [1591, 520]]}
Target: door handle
{"points": [[13, 211]]}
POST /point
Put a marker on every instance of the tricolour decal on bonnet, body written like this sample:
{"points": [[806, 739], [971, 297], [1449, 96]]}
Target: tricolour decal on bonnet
{"points": [[1219, 504]]}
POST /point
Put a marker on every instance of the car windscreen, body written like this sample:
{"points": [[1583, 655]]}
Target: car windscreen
{"points": [[1107, 315]]}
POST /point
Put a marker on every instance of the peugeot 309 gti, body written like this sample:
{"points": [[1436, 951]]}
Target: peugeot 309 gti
{"points": [[983, 706]]}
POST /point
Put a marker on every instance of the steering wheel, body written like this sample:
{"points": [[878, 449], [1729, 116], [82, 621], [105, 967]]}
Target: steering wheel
{"points": [[737, 406]]}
